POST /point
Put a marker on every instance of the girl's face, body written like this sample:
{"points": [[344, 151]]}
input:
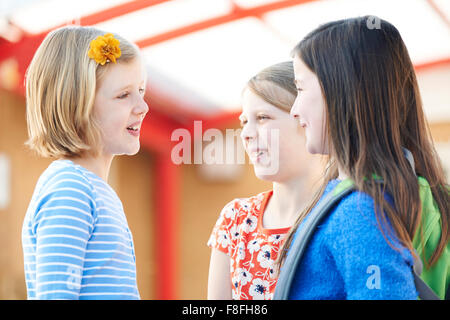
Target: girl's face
{"points": [[309, 108], [119, 107], [272, 139]]}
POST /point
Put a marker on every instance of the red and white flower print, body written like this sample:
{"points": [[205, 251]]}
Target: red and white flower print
{"points": [[253, 246], [223, 239], [259, 289], [252, 249], [241, 251], [264, 257], [250, 224]]}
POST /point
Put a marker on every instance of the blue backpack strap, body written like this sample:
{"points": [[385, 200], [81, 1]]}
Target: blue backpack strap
{"points": [[423, 290], [408, 155]]}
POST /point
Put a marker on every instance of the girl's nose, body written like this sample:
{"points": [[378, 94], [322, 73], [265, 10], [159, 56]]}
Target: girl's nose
{"points": [[248, 132], [142, 107], [294, 112]]}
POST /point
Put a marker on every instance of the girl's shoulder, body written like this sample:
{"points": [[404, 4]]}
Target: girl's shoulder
{"points": [[64, 176], [355, 211], [62, 171], [240, 208], [355, 221], [63, 186], [356, 204], [356, 201]]}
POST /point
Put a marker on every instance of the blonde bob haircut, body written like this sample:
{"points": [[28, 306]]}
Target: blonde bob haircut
{"points": [[61, 83]]}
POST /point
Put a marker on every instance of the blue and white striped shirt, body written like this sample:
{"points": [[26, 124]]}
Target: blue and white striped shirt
{"points": [[76, 240]]}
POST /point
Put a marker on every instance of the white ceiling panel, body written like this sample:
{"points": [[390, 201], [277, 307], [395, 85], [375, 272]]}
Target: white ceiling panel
{"points": [[217, 62], [425, 33], [164, 17], [42, 15]]}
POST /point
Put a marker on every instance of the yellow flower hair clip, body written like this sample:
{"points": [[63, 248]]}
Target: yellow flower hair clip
{"points": [[104, 49]]}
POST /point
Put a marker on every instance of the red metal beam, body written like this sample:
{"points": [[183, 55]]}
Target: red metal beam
{"points": [[432, 64], [236, 14], [438, 10], [157, 130], [167, 199], [113, 12]]}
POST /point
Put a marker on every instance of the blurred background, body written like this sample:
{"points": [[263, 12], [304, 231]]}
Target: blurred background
{"points": [[199, 55]]}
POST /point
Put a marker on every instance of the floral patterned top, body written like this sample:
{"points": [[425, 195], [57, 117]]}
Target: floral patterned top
{"points": [[252, 249]]}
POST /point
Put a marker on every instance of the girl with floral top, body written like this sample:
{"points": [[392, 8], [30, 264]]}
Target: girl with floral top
{"points": [[247, 236]]}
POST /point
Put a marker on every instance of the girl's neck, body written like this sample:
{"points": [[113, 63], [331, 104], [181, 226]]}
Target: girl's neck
{"points": [[100, 165], [287, 201]]}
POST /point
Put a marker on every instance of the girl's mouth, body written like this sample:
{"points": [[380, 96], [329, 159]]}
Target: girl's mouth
{"points": [[134, 129], [256, 155]]}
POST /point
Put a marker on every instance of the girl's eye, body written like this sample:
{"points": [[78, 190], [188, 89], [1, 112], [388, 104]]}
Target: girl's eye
{"points": [[262, 117], [142, 91], [124, 95], [243, 123], [299, 89]]}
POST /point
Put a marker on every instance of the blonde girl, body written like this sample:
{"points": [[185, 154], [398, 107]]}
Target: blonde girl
{"points": [[85, 105], [249, 232]]}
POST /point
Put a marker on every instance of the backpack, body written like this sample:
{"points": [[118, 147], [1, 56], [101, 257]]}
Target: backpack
{"points": [[431, 232]]}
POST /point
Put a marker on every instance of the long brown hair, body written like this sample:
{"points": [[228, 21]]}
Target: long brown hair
{"points": [[373, 109]]}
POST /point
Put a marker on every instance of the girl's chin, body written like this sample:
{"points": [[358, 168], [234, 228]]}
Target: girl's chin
{"points": [[270, 172], [134, 151], [317, 151], [316, 148], [129, 151]]}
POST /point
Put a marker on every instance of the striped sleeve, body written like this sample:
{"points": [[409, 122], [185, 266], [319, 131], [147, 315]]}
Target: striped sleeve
{"points": [[62, 225]]}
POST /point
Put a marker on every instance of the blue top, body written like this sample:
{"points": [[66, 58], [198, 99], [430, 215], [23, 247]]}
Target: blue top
{"points": [[348, 257], [76, 240]]}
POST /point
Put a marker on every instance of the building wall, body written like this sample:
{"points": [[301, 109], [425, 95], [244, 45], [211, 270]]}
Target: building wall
{"points": [[25, 169], [132, 179]]}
